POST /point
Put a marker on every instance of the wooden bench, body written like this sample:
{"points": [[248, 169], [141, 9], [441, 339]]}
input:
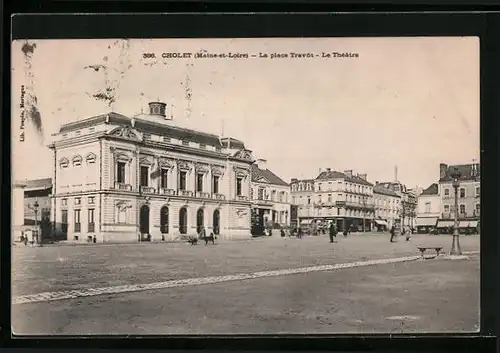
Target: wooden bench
{"points": [[423, 249]]}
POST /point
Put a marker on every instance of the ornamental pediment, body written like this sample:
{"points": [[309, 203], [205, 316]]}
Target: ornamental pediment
{"points": [[184, 165], [126, 132], [166, 162], [241, 172], [244, 154], [202, 167], [146, 160], [217, 170]]}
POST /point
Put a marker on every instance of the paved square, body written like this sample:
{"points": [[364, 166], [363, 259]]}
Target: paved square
{"points": [[419, 295]]}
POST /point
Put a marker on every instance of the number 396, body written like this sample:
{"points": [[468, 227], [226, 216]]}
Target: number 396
{"points": [[148, 55]]}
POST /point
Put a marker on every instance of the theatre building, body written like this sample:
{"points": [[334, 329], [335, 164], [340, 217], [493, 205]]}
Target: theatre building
{"points": [[142, 178]]}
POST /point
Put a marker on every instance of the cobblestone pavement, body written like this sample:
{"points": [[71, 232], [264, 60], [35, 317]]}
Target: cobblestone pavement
{"points": [[396, 297], [56, 273]]}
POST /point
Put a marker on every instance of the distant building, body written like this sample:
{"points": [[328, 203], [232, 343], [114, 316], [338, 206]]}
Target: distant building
{"points": [[344, 198], [428, 209], [270, 197], [26, 193], [387, 206], [469, 195], [408, 205], [144, 178]]}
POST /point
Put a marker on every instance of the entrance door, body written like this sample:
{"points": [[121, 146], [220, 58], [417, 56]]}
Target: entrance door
{"points": [[164, 220], [144, 220], [183, 220], [216, 222], [199, 220]]}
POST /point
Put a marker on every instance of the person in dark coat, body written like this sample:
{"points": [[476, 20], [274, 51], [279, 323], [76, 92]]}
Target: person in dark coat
{"points": [[282, 233], [393, 233], [332, 232]]}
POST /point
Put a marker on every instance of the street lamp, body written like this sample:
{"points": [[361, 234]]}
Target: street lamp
{"points": [[34, 207], [455, 247]]}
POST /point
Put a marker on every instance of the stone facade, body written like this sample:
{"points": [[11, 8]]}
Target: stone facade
{"points": [[121, 179]]}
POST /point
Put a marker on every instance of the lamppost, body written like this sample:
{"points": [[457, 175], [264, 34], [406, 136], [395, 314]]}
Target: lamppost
{"points": [[36, 239], [455, 247]]}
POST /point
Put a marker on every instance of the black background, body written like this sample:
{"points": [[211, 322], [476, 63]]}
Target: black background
{"points": [[486, 25]]}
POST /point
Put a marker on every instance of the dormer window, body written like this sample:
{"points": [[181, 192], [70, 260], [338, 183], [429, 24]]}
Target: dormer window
{"points": [[167, 139], [147, 136], [78, 133], [185, 143], [91, 129], [203, 146], [217, 149], [77, 161], [65, 136]]}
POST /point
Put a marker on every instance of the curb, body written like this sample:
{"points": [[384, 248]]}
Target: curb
{"points": [[54, 296]]}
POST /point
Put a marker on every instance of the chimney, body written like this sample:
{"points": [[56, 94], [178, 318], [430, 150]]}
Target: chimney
{"points": [[363, 176], [328, 169], [294, 180], [395, 173], [320, 170], [348, 173], [159, 109], [376, 182], [262, 164], [442, 170]]}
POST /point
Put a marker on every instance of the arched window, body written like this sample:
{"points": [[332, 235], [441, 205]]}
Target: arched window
{"points": [[77, 161], [164, 220], [91, 158], [63, 162]]}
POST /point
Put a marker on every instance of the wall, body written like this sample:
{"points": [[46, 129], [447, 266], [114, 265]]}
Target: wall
{"points": [[435, 206], [470, 201]]}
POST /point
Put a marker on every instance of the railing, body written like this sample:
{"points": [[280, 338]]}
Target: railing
{"points": [[78, 227], [123, 186], [241, 198], [148, 189], [451, 215], [185, 193], [354, 205], [219, 196], [91, 228], [167, 191], [203, 194]]}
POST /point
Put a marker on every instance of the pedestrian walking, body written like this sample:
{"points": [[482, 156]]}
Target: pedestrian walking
{"points": [[282, 233], [408, 233], [393, 233], [332, 232]]}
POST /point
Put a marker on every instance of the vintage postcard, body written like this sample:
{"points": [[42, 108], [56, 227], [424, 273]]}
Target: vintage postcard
{"points": [[245, 186]]}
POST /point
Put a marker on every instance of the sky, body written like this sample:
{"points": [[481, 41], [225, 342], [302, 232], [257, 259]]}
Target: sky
{"points": [[410, 102]]}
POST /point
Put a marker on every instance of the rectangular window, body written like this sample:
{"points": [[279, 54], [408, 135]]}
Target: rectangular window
{"points": [[446, 192], [319, 187], [427, 207], [64, 202], [77, 221], [293, 200], [64, 221], [199, 182], [182, 180], [462, 193], [282, 196], [239, 182], [215, 184], [91, 200], [144, 180], [261, 194], [120, 172], [478, 192], [308, 200], [164, 178], [462, 209], [91, 225], [78, 201], [446, 208], [329, 198], [478, 207]]}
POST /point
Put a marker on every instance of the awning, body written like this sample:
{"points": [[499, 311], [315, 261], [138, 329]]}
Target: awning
{"points": [[463, 224], [427, 222], [306, 221], [381, 222], [473, 224], [445, 224]]}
